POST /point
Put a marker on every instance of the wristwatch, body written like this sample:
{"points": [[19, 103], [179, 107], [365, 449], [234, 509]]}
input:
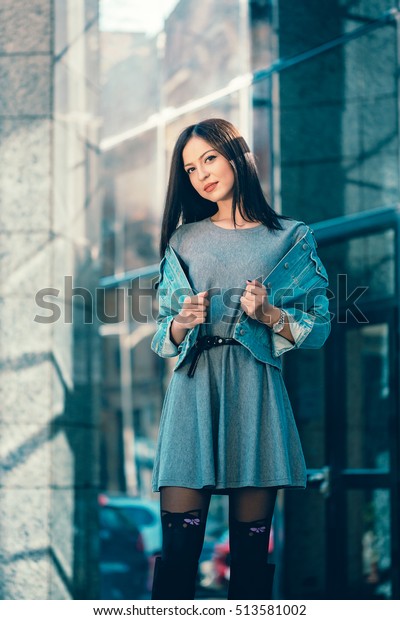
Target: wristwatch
{"points": [[280, 324]]}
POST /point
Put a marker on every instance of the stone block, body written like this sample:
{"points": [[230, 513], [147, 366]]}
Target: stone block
{"points": [[25, 27], [24, 456], [25, 86], [25, 266], [25, 576], [22, 339], [24, 553], [25, 175], [25, 391]]}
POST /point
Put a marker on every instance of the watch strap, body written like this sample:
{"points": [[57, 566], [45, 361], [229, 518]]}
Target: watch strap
{"points": [[280, 323]]}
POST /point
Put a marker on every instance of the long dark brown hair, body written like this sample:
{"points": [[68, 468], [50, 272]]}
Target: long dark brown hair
{"points": [[183, 200]]}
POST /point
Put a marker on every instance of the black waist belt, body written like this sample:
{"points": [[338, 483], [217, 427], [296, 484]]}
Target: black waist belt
{"points": [[205, 343]]}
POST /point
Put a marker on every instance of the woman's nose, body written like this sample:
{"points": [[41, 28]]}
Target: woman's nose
{"points": [[203, 174]]}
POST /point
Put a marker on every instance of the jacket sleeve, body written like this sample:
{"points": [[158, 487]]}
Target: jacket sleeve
{"points": [[169, 305], [310, 320]]}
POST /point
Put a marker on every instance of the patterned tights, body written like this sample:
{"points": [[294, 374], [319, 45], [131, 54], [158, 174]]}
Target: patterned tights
{"points": [[184, 514]]}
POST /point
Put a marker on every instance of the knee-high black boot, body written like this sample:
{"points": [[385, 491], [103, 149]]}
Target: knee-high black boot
{"points": [[173, 582], [251, 582]]}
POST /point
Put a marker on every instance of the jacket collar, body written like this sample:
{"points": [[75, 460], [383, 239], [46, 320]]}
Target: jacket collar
{"points": [[174, 262], [183, 282], [308, 238]]}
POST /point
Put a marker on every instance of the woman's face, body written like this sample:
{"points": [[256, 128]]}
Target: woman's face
{"points": [[209, 172]]}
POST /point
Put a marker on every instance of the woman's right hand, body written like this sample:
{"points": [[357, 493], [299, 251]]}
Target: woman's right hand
{"points": [[194, 310]]}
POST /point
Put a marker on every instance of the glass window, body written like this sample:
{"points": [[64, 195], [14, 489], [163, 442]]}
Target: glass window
{"points": [[368, 544], [366, 262], [206, 47], [338, 127], [368, 397]]}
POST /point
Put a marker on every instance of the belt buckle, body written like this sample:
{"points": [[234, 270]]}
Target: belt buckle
{"points": [[208, 343], [211, 341]]}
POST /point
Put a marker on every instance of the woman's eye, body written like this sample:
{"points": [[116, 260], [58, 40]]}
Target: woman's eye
{"points": [[210, 157], [189, 170]]}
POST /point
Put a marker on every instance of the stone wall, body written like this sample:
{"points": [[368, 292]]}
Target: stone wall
{"points": [[49, 229]]}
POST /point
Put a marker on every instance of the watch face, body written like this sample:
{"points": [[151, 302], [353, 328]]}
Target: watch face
{"points": [[278, 328]]}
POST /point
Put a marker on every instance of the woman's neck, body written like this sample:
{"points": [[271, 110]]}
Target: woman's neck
{"points": [[224, 215]]}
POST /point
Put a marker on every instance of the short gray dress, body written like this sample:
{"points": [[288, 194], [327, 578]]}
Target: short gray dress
{"points": [[230, 425]]}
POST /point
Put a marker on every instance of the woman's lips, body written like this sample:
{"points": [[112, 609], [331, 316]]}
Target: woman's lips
{"points": [[211, 187]]}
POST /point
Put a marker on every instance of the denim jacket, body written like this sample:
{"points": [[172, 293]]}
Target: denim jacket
{"points": [[297, 283]]}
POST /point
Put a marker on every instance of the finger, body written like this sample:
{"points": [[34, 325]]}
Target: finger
{"points": [[202, 301], [255, 282], [190, 315], [255, 290], [200, 298], [193, 302], [248, 297]]}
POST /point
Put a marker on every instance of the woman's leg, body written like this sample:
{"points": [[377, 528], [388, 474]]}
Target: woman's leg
{"points": [[183, 519], [250, 516]]}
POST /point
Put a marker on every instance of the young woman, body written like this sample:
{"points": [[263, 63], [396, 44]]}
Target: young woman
{"points": [[239, 285]]}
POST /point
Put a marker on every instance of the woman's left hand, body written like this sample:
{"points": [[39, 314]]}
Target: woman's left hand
{"points": [[255, 302]]}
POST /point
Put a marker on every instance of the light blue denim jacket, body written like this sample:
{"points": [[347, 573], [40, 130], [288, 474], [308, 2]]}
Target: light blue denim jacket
{"points": [[298, 284]]}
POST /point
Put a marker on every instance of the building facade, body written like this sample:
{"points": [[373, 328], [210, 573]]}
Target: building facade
{"points": [[49, 239]]}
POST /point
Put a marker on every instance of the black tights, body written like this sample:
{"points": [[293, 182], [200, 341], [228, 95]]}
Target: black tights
{"points": [[184, 514]]}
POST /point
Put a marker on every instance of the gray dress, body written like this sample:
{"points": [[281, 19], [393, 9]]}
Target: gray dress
{"points": [[231, 424]]}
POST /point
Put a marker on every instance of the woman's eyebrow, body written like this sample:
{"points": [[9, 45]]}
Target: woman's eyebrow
{"points": [[191, 164]]}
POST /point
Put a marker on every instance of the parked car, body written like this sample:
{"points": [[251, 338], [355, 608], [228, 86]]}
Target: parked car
{"points": [[123, 561], [145, 516]]}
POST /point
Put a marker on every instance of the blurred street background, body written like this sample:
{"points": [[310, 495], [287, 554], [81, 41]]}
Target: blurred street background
{"points": [[93, 95]]}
